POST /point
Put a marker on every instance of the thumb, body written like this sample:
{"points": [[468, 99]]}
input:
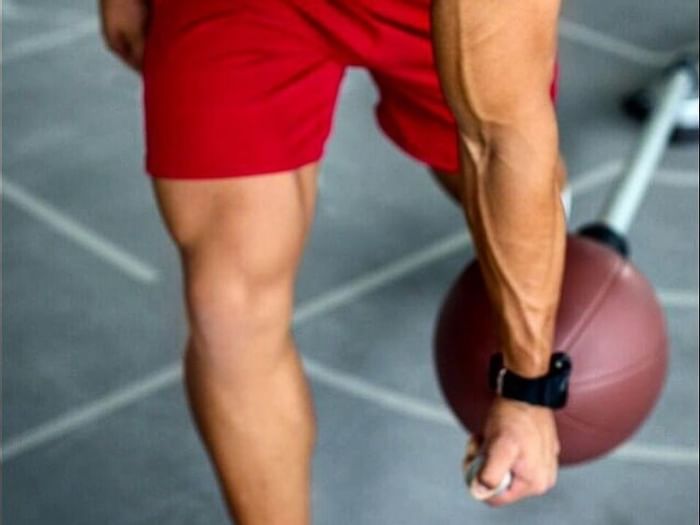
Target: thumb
{"points": [[499, 457]]}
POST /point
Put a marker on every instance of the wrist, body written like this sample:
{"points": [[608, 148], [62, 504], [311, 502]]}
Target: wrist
{"points": [[523, 406], [531, 366], [549, 389]]}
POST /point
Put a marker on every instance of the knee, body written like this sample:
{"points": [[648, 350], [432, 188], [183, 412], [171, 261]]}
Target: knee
{"points": [[238, 316]]}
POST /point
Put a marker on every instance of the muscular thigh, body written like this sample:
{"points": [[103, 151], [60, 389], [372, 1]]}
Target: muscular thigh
{"points": [[248, 229]]}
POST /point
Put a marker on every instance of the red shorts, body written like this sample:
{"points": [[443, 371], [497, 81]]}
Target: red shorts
{"points": [[242, 87]]}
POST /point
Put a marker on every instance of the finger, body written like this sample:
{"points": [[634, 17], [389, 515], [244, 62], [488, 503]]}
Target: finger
{"points": [[500, 456], [519, 489], [480, 492]]}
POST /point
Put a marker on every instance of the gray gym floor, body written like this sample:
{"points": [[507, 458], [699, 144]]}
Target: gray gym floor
{"points": [[95, 427]]}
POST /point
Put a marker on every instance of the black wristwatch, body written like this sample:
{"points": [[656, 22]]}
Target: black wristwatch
{"points": [[550, 390]]}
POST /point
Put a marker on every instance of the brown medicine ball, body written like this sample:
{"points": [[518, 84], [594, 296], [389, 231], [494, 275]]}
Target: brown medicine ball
{"points": [[609, 322]]}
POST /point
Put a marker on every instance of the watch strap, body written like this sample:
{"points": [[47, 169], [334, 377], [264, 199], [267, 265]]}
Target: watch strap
{"points": [[550, 390]]}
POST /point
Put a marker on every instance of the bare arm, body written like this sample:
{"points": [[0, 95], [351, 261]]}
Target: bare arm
{"points": [[496, 61]]}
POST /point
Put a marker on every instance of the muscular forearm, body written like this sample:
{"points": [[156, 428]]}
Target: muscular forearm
{"points": [[513, 207], [496, 60]]}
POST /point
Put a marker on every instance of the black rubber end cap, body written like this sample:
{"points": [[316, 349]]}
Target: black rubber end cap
{"points": [[603, 234], [639, 105]]}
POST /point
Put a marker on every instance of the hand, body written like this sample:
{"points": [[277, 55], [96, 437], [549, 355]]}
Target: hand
{"points": [[124, 28], [522, 439]]}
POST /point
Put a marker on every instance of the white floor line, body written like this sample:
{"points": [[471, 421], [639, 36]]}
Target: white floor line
{"points": [[378, 395], [382, 276], [81, 235], [678, 298], [323, 304], [75, 419], [50, 40]]}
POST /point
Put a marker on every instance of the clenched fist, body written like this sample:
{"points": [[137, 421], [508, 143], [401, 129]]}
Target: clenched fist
{"points": [[520, 439]]}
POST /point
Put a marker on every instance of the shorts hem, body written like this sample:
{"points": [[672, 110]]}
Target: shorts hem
{"points": [[155, 172]]}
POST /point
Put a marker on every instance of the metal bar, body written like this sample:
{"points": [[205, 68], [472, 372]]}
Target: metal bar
{"points": [[622, 206]]}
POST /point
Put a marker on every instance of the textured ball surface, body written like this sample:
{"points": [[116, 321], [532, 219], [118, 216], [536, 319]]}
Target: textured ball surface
{"points": [[609, 322]]}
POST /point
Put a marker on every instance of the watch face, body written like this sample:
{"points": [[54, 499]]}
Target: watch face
{"points": [[560, 363]]}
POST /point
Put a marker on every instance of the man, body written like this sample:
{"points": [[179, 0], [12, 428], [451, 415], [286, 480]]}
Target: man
{"points": [[239, 96]]}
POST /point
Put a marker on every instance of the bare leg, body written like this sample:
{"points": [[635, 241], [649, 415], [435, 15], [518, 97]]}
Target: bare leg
{"points": [[241, 241]]}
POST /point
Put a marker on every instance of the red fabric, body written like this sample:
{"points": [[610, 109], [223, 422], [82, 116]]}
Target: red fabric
{"points": [[234, 88]]}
